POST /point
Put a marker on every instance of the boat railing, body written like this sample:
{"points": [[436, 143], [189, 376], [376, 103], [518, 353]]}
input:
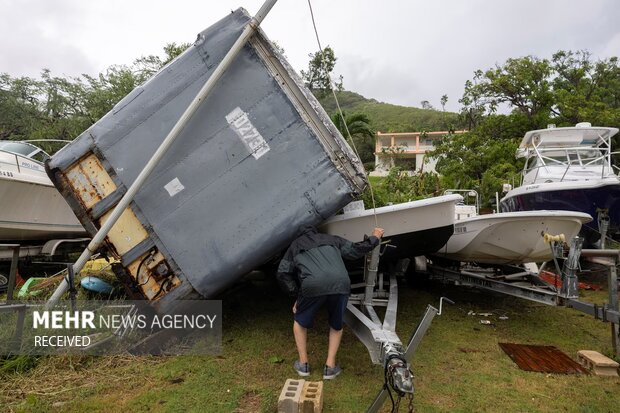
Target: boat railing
{"points": [[467, 193], [547, 161]]}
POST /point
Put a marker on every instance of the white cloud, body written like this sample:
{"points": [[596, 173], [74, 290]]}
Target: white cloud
{"points": [[397, 51]]}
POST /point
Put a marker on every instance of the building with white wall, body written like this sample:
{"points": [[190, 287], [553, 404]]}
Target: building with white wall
{"points": [[407, 150]]}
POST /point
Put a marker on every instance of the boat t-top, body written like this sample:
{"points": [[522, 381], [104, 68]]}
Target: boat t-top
{"points": [[570, 169]]}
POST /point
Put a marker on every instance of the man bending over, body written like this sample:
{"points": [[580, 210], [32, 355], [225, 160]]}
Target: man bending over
{"points": [[313, 270]]}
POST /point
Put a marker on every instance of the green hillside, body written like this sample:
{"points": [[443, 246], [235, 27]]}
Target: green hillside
{"points": [[386, 117]]}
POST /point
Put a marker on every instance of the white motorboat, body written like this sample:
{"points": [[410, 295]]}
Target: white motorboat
{"points": [[570, 169], [30, 206], [508, 237], [413, 228]]}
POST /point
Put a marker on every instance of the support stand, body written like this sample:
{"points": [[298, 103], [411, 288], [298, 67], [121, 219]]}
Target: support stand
{"points": [[602, 218], [608, 312]]}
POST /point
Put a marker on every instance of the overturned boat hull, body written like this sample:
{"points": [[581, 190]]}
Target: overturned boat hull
{"points": [[412, 228]]}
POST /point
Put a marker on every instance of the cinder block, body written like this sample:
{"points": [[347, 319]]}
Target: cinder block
{"points": [[596, 362], [312, 397], [289, 399]]}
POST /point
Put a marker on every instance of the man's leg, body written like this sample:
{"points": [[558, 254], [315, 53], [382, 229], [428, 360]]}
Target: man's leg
{"points": [[301, 336], [305, 310], [336, 306], [332, 349]]}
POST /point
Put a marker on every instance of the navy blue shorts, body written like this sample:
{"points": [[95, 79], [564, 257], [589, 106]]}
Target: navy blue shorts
{"points": [[307, 307]]}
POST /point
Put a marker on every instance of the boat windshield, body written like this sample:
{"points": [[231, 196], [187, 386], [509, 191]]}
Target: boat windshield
{"points": [[24, 149], [589, 157]]}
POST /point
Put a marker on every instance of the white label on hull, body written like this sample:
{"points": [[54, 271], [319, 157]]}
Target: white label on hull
{"points": [[460, 229], [251, 138], [174, 187]]}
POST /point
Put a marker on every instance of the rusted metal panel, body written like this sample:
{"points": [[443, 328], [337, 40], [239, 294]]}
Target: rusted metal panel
{"points": [[543, 359], [90, 181]]}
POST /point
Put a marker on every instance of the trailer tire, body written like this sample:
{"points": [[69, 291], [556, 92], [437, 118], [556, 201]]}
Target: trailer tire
{"points": [[4, 282]]}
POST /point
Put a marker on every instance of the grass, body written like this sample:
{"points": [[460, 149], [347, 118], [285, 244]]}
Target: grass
{"points": [[458, 367]]}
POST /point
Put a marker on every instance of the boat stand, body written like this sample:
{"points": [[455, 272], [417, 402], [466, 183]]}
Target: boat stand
{"points": [[602, 219], [526, 284], [379, 337]]}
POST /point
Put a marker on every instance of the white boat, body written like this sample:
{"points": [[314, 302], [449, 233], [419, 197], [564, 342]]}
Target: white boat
{"points": [[30, 206], [413, 228], [570, 169], [510, 237], [507, 237]]}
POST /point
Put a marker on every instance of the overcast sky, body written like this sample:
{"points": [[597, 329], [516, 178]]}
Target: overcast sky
{"points": [[395, 51]]}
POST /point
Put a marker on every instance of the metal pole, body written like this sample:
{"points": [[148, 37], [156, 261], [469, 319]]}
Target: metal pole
{"points": [[371, 275], [12, 273], [603, 226], [571, 265], [248, 31], [72, 291], [613, 305]]}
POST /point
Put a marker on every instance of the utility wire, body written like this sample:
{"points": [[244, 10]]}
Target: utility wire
{"points": [[318, 41]]}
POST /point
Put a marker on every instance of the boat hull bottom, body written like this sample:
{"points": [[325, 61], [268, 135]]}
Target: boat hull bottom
{"points": [[416, 243]]}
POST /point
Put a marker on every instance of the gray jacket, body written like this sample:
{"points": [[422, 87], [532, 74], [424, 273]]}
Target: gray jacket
{"points": [[313, 264]]}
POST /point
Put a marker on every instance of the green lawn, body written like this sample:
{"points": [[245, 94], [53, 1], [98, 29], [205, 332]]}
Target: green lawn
{"points": [[458, 367]]}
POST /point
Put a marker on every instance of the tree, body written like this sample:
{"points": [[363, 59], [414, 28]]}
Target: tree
{"points": [[61, 108], [318, 77], [565, 90], [358, 125], [444, 100], [586, 90], [146, 66], [426, 105]]}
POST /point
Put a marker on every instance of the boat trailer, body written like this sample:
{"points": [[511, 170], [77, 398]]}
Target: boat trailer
{"points": [[47, 252], [379, 337], [527, 284]]}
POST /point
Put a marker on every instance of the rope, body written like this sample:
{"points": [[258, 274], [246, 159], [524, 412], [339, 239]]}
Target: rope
{"points": [[318, 41]]}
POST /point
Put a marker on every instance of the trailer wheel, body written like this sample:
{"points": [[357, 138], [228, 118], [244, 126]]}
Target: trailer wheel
{"points": [[4, 282]]}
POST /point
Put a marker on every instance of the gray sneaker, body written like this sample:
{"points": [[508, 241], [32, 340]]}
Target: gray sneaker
{"points": [[303, 369], [331, 372]]}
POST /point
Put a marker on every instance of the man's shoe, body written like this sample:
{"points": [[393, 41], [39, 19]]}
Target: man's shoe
{"points": [[331, 372], [303, 369]]}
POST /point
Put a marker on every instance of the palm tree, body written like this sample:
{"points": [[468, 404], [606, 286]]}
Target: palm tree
{"points": [[361, 132]]}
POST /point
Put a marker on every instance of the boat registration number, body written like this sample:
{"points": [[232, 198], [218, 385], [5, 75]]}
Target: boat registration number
{"points": [[460, 230], [7, 174]]}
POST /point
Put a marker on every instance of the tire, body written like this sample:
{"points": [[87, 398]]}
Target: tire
{"points": [[4, 282]]}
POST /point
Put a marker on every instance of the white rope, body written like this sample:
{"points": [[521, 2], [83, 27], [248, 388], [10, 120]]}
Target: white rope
{"points": [[331, 84]]}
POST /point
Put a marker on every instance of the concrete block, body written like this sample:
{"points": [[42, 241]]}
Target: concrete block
{"points": [[290, 396], [312, 397], [596, 362]]}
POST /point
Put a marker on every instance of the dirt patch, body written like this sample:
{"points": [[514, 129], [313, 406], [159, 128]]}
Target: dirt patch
{"points": [[249, 403]]}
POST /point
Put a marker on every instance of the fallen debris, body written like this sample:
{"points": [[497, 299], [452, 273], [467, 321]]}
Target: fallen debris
{"points": [[597, 363], [543, 359]]}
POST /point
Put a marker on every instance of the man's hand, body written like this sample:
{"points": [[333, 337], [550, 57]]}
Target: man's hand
{"points": [[295, 308], [378, 232]]}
